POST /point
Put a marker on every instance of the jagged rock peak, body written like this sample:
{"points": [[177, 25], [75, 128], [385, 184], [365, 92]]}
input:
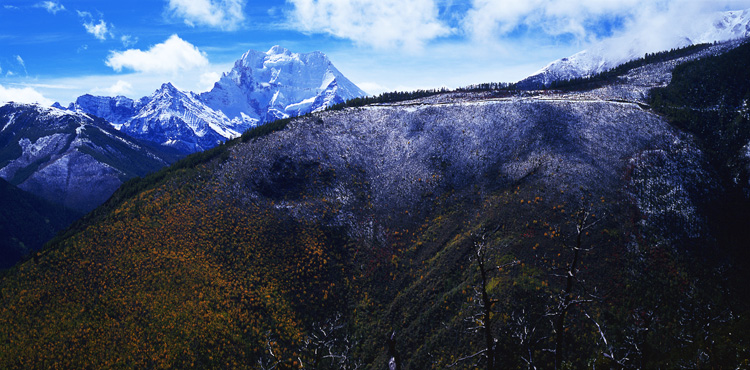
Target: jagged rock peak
{"points": [[264, 86], [279, 55], [278, 50], [168, 86]]}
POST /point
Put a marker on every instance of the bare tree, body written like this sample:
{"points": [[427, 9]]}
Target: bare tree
{"points": [[567, 298], [394, 358], [482, 319], [525, 327], [268, 360], [329, 346]]}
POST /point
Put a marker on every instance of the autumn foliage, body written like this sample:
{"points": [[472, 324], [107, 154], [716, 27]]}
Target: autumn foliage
{"points": [[175, 277]]}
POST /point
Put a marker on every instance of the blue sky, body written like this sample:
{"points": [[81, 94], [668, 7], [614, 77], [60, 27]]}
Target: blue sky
{"points": [[56, 50]]}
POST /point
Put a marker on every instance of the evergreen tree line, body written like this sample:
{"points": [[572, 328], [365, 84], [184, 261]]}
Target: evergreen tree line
{"points": [[400, 96], [387, 97], [602, 78]]}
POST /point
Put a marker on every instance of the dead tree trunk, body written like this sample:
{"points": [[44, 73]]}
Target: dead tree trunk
{"points": [[487, 303], [394, 359], [567, 298]]}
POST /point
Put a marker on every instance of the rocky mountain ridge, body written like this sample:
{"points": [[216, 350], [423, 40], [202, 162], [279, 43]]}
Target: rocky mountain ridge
{"points": [[260, 88], [70, 158]]}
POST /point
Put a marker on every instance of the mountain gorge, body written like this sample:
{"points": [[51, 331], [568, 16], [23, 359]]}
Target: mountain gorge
{"points": [[498, 229]]}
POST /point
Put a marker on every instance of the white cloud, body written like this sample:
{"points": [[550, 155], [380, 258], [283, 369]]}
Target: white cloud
{"points": [[372, 88], [119, 88], [21, 63], [99, 30], [378, 23], [589, 20], [208, 79], [48, 86], [23, 95], [128, 40], [667, 25], [488, 19], [50, 6], [173, 55], [222, 14]]}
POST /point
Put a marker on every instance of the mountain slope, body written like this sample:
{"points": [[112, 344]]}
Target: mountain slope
{"points": [[362, 234], [69, 158], [180, 120], [260, 88], [605, 56], [710, 98], [27, 222], [170, 118]]}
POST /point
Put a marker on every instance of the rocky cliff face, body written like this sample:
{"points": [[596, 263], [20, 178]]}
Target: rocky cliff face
{"points": [[117, 110], [179, 120]]}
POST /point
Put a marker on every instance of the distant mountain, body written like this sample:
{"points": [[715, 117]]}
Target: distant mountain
{"points": [[260, 88], [278, 84], [70, 158], [605, 56], [27, 222]]}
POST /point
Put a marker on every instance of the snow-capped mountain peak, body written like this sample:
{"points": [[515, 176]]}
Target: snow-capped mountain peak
{"points": [[728, 25], [278, 84], [261, 87], [278, 50], [606, 55], [69, 157], [168, 88]]}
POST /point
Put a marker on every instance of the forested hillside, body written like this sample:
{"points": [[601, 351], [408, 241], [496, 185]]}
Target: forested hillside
{"points": [[710, 98], [457, 230]]}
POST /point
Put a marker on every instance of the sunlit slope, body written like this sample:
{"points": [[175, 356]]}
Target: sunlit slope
{"points": [[176, 276]]}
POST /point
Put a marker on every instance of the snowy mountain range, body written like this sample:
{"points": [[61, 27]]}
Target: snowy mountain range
{"points": [[70, 158], [607, 55], [260, 88]]}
